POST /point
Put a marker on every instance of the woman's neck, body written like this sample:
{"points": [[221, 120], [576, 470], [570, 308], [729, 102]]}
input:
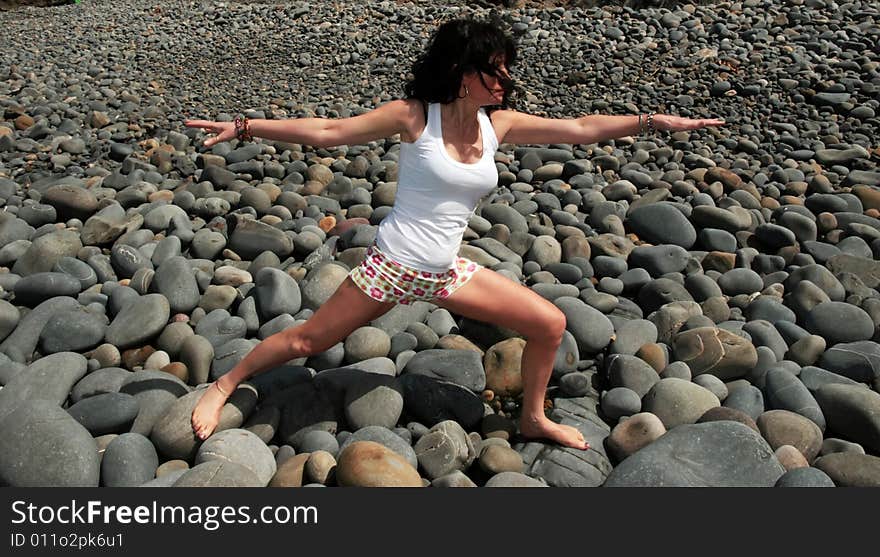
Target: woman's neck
{"points": [[462, 114]]}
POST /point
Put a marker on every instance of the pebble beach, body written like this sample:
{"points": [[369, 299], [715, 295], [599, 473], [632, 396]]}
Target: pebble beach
{"points": [[721, 287]]}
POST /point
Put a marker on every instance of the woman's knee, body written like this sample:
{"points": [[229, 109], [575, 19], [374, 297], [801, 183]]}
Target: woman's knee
{"points": [[548, 326]]}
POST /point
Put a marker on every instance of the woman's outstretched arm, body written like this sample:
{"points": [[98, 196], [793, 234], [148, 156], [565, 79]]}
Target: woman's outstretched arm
{"points": [[516, 127], [387, 120]]}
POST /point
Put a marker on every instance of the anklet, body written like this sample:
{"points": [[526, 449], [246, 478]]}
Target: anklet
{"points": [[219, 388]]}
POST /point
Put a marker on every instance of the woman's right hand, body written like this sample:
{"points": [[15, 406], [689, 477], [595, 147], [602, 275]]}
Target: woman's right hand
{"points": [[224, 130]]}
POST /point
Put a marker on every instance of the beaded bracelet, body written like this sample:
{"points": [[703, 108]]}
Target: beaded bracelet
{"points": [[649, 124], [242, 129]]}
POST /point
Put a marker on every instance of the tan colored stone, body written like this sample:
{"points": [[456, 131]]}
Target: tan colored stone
{"points": [[633, 433], [719, 261], [320, 467], [171, 466], [327, 223], [369, 464], [23, 122], [458, 342], [503, 367], [134, 357], [870, 197], [716, 351], [781, 427], [290, 472], [790, 458], [177, 369], [654, 355]]}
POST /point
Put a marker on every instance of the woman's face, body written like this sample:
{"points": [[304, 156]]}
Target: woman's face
{"points": [[488, 86]]}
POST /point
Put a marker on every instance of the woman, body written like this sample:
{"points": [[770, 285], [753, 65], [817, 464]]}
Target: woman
{"points": [[448, 143]]}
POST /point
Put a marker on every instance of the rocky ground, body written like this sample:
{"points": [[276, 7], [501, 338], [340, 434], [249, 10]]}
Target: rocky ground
{"points": [[720, 287]]}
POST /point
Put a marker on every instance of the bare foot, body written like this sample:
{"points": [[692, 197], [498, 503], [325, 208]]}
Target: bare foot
{"points": [[206, 414], [548, 429]]}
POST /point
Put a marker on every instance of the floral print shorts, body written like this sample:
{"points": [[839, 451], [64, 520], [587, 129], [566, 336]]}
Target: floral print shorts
{"points": [[386, 280]]}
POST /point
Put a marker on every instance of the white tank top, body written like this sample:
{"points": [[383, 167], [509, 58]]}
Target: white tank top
{"points": [[436, 195]]}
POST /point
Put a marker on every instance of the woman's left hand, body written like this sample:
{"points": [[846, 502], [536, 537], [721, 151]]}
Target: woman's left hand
{"points": [[668, 122]]}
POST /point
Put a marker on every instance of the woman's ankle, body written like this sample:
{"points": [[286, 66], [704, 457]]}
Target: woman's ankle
{"points": [[226, 385]]}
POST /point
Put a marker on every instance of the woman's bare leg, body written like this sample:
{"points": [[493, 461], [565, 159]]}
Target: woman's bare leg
{"points": [[346, 310], [491, 297]]}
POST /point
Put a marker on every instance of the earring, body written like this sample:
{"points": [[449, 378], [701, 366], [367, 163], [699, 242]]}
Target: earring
{"points": [[466, 92]]}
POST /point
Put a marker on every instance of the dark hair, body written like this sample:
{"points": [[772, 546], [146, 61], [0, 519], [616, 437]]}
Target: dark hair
{"points": [[457, 47]]}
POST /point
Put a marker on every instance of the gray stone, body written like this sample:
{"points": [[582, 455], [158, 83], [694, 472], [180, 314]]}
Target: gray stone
{"points": [[129, 461], [366, 342], [44, 447], [851, 469], [36, 288], [712, 454], [462, 367], [852, 412], [218, 473], [839, 322], [764, 333], [631, 372], [318, 440], [105, 413], [453, 479], [197, 354], [804, 477], [176, 281], [814, 377], [374, 400], [662, 223], [321, 282], [513, 479], [46, 250], [590, 328], [659, 260], [276, 293], [619, 402], [677, 402], [139, 321], [75, 330], [740, 281], [156, 391], [859, 361], [444, 449], [431, 401], [126, 260], [241, 447], [249, 238], [701, 287], [567, 355], [398, 318], [49, 378], [713, 384], [77, 269], [228, 355], [659, 292], [105, 380], [821, 277], [218, 327]]}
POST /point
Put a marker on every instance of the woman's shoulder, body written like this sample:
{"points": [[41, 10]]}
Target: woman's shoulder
{"points": [[415, 114]]}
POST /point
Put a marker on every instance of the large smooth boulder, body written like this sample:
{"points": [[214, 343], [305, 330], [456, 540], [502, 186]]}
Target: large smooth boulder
{"points": [[43, 446], [712, 454], [725, 355]]}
